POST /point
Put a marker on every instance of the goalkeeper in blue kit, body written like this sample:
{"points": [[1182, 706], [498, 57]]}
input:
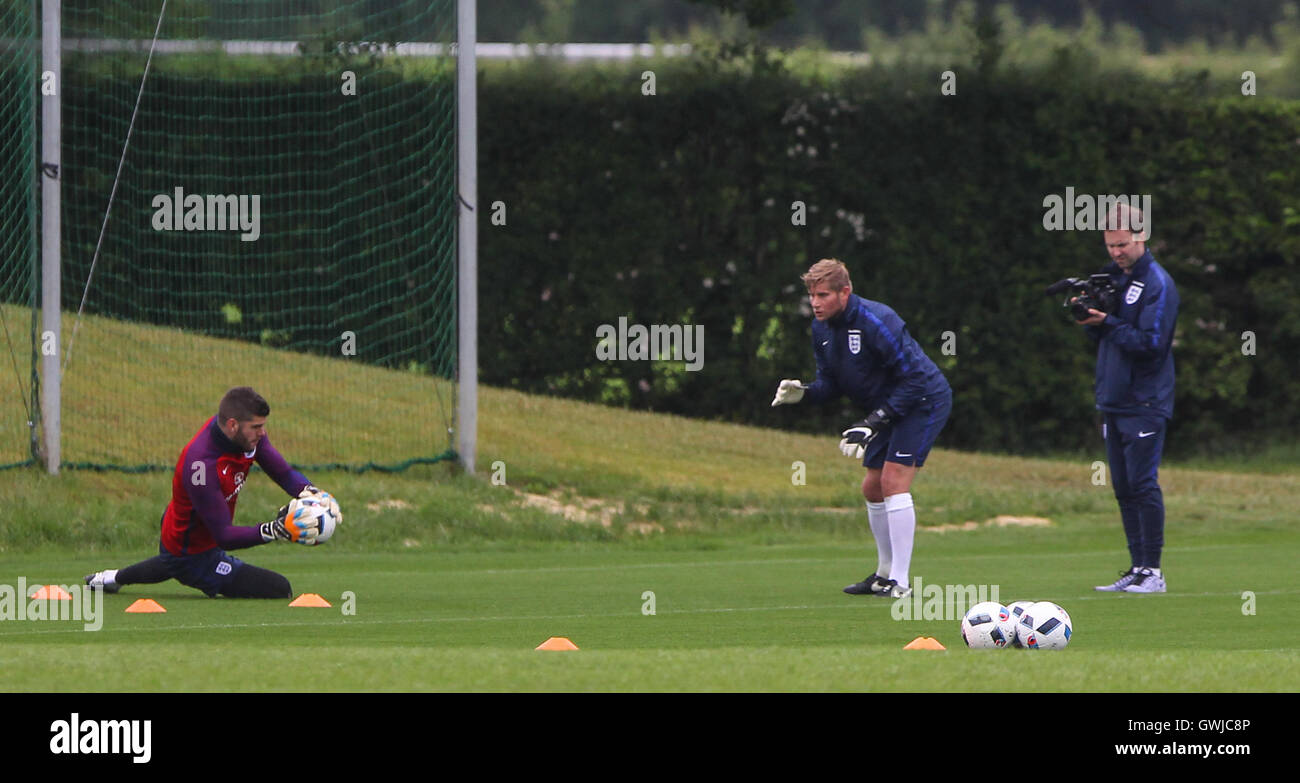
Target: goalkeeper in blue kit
{"points": [[864, 352]]}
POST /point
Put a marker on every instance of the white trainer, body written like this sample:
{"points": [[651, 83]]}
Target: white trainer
{"points": [[104, 580], [1118, 586], [1147, 581]]}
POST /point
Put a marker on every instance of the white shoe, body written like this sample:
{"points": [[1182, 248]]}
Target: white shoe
{"points": [[1119, 585], [104, 580], [1146, 581]]}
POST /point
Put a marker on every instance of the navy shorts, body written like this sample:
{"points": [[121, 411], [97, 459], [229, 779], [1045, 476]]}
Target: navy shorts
{"points": [[211, 571], [910, 439]]}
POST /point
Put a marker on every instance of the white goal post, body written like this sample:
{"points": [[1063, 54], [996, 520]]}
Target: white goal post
{"points": [[466, 235]]}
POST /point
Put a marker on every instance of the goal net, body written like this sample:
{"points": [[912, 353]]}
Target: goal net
{"points": [[283, 217]]}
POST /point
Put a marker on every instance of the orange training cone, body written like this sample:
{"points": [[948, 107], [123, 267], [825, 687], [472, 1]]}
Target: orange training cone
{"points": [[145, 606], [310, 599], [51, 593], [924, 643], [557, 643]]}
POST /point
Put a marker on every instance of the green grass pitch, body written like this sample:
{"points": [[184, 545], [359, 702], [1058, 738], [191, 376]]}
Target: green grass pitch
{"points": [[737, 618], [579, 510]]}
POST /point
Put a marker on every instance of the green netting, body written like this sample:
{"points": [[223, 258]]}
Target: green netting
{"points": [[19, 53], [284, 219]]}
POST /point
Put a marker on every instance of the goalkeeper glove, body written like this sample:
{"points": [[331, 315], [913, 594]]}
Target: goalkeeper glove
{"points": [[311, 491], [860, 434], [286, 528], [788, 392]]}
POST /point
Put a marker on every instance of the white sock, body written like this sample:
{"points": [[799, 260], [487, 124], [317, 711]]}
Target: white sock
{"points": [[879, 519], [902, 528], [110, 576]]}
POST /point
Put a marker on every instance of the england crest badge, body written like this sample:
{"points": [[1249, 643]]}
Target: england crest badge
{"points": [[1134, 292], [855, 341]]}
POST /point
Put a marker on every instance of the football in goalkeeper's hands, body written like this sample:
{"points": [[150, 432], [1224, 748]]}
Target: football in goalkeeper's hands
{"points": [[318, 508]]}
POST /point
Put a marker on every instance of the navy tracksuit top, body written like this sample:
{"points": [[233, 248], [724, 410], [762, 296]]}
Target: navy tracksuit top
{"points": [[866, 354], [1135, 360]]}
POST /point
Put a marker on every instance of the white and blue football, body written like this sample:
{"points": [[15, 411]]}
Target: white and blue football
{"points": [[987, 626], [1044, 626]]}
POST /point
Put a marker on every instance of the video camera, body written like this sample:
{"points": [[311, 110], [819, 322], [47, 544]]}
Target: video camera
{"points": [[1096, 292]]}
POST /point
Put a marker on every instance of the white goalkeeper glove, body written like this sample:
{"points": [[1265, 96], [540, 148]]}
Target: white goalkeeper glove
{"points": [[859, 435], [788, 392], [310, 491], [292, 523]]}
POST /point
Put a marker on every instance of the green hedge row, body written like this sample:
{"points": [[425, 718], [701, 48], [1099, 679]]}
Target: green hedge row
{"points": [[677, 208], [600, 202]]}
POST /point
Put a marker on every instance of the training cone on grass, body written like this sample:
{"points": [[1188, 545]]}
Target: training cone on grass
{"points": [[557, 643], [51, 593], [309, 600], [924, 643], [145, 606]]}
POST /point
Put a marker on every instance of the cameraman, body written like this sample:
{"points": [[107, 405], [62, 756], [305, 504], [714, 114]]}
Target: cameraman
{"points": [[1135, 390]]}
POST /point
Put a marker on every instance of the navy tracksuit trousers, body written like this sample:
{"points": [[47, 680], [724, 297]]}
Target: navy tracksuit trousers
{"points": [[1133, 448]]}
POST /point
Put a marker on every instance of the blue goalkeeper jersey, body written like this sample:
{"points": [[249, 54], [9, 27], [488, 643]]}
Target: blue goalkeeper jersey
{"points": [[866, 354]]}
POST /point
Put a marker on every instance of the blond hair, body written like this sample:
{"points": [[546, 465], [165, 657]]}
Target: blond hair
{"points": [[830, 271]]}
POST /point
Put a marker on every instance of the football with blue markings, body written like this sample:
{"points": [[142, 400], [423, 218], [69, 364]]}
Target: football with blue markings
{"points": [[1017, 611], [1044, 626], [988, 626], [323, 508]]}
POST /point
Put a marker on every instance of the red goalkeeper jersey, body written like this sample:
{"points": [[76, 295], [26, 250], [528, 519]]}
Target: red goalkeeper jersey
{"points": [[210, 473]]}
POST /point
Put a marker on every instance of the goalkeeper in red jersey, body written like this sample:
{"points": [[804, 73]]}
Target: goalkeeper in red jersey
{"points": [[197, 526]]}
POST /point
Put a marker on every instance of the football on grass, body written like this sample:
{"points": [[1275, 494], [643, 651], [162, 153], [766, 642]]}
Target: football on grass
{"points": [[1017, 611], [987, 625], [1044, 626]]}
